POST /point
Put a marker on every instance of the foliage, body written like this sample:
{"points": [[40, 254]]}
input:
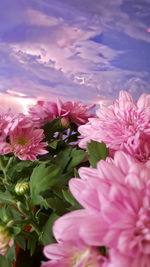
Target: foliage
{"points": [[33, 194]]}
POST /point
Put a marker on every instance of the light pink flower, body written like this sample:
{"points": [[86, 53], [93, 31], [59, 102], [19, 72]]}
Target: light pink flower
{"points": [[125, 125], [116, 196], [6, 241], [117, 259], [71, 251], [45, 111], [66, 255]]}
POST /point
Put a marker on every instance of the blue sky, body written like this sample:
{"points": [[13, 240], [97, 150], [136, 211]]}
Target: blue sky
{"points": [[87, 50]]}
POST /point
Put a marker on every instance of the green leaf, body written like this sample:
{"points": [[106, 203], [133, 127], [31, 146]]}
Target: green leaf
{"points": [[96, 151], [13, 213], [11, 254], [77, 155], [51, 127], [20, 166], [32, 242], [3, 214], [63, 158], [54, 144], [42, 179], [76, 174], [59, 206], [21, 241], [47, 236], [16, 230], [4, 262], [6, 197], [70, 199]]}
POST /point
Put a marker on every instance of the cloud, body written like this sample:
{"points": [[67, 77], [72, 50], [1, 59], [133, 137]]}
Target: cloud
{"points": [[49, 49], [14, 103]]}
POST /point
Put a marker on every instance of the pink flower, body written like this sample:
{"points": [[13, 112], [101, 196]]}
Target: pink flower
{"points": [[125, 125], [45, 111], [20, 119], [24, 141], [75, 112], [66, 255], [117, 259], [3, 126], [6, 241], [71, 251], [116, 196]]}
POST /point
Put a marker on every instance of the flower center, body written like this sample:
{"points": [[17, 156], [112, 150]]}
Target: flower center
{"points": [[79, 256], [22, 141], [84, 256]]}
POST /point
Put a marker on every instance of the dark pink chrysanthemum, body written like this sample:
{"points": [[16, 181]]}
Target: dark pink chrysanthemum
{"points": [[125, 125], [27, 143], [3, 126], [45, 111], [21, 138], [76, 112]]}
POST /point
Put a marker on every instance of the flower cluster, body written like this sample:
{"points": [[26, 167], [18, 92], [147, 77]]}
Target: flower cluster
{"points": [[125, 125], [45, 111], [114, 196], [101, 216], [38, 154]]}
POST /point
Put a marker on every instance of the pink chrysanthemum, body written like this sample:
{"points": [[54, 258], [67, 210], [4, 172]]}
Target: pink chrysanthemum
{"points": [[3, 126], [71, 251], [66, 255], [45, 111], [6, 240], [125, 125], [76, 112], [26, 143], [117, 259], [116, 196], [22, 139]]}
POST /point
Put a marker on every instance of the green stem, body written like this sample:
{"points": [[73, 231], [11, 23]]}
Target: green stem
{"points": [[35, 227], [5, 169], [9, 163], [28, 213]]}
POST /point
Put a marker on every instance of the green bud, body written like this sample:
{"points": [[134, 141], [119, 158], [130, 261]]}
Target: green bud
{"points": [[21, 188]]}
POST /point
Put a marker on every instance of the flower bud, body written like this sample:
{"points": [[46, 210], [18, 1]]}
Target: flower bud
{"points": [[6, 240], [21, 188], [65, 122]]}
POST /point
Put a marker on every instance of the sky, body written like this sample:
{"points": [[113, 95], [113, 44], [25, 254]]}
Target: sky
{"points": [[75, 50]]}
